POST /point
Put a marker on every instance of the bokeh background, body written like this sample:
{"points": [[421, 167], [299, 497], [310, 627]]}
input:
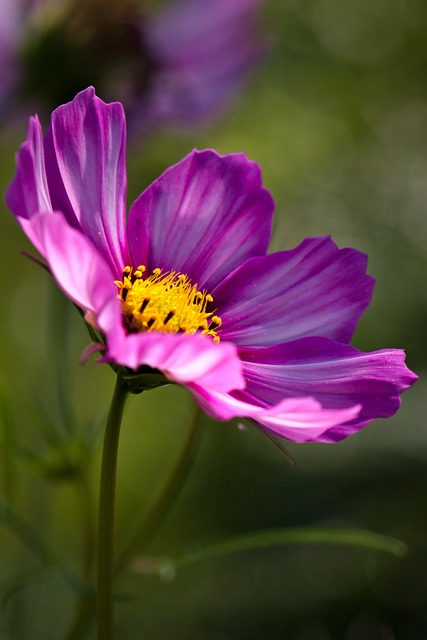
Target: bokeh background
{"points": [[336, 115]]}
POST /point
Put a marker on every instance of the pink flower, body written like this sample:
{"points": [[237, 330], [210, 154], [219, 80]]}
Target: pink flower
{"points": [[183, 291]]}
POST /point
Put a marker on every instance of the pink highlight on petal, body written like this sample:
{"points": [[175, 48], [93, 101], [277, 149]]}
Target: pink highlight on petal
{"points": [[297, 419], [79, 270], [182, 358]]}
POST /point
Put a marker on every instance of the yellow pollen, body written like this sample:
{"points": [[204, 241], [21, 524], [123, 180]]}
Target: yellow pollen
{"points": [[165, 302]]}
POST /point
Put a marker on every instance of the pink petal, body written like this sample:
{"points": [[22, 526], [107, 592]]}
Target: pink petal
{"points": [[298, 419], [181, 358], [79, 270]]}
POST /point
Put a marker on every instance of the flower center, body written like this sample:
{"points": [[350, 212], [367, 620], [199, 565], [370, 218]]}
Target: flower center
{"points": [[165, 302]]}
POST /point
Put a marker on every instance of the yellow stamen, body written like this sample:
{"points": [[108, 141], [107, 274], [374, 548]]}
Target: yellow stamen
{"points": [[165, 302]]}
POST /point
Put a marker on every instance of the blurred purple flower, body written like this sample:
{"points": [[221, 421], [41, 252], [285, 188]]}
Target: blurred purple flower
{"points": [[183, 290], [9, 36], [203, 51], [179, 65]]}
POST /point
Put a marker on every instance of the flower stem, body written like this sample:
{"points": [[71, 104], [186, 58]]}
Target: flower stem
{"points": [[105, 555], [159, 509]]}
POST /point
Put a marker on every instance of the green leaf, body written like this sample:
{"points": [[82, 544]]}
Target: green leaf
{"points": [[167, 567]]}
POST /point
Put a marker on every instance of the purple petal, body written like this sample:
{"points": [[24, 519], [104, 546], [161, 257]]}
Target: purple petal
{"points": [[314, 289], [29, 194], [86, 172], [182, 358], [297, 419], [336, 375], [203, 49], [203, 217], [79, 270]]}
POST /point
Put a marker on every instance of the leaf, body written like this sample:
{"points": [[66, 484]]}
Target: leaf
{"points": [[167, 567]]}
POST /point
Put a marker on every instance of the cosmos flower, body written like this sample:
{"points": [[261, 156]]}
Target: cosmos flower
{"points": [[180, 64], [183, 291]]}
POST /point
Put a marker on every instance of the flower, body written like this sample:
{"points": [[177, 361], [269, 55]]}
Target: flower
{"points": [[179, 65], [183, 291], [203, 52]]}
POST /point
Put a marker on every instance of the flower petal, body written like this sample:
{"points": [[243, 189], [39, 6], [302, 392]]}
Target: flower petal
{"points": [[203, 217], [314, 289], [86, 172], [28, 193], [336, 375], [79, 270], [203, 50], [297, 419], [182, 358]]}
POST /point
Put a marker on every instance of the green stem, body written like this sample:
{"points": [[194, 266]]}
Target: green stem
{"points": [[105, 555], [159, 509], [167, 494], [292, 536]]}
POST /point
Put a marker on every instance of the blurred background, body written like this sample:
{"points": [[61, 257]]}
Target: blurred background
{"points": [[335, 112]]}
